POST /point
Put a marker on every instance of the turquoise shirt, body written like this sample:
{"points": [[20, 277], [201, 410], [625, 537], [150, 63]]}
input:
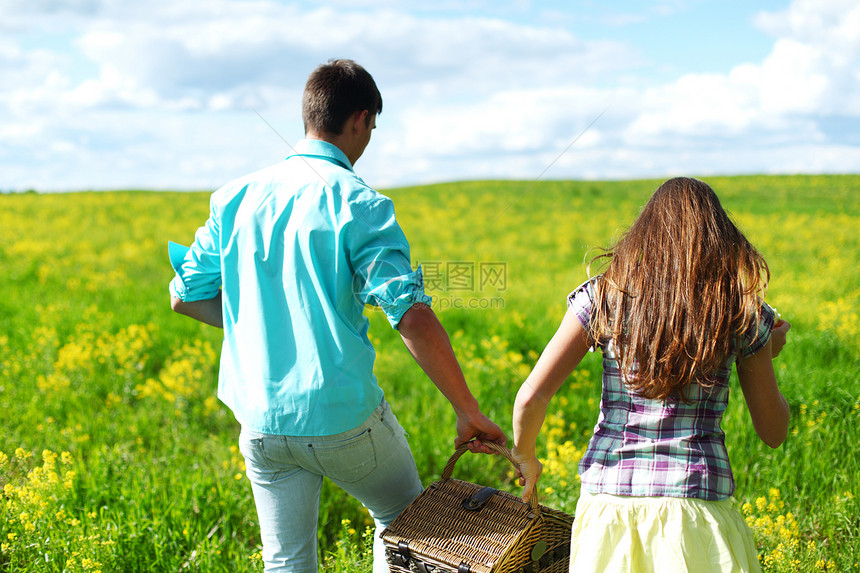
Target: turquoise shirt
{"points": [[298, 249]]}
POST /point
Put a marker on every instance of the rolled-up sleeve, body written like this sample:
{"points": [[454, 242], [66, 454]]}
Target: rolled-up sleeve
{"points": [[198, 268], [379, 255]]}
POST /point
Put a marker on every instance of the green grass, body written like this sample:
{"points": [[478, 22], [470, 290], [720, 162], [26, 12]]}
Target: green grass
{"points": [[140, 470]]}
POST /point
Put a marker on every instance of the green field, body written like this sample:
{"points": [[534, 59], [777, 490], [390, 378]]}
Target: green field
{"points": [[115, 455]]}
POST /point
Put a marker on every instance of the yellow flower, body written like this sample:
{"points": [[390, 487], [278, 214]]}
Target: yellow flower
{"points": [[49, 458]]}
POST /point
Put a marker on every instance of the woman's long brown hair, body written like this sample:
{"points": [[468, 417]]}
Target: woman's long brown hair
{"points": [[681, 286]]}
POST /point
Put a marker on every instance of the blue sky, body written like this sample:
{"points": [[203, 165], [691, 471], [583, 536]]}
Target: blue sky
{"points": [[182, 94]]}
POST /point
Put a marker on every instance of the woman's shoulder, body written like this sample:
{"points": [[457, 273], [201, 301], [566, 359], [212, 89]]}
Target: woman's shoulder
{"points": [[758, 331], [584, 292], [581, 301]]}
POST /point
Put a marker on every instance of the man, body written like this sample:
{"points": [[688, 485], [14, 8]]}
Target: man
{"points": [[285, 264]]}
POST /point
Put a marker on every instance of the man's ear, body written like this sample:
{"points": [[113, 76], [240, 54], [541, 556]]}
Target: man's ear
{"points": [[359, 120]]}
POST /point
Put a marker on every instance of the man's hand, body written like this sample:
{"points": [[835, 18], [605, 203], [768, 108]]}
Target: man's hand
{"points": [[476, 429]]}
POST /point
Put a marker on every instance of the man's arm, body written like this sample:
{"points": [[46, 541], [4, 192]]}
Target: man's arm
{"points": [[207, 311], [427, 341]]}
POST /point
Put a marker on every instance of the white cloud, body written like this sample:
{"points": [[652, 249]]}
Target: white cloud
{"points": [[507, 122], [164, 94], [815, 64], [221, 49], [753, 119], [809, 73]]}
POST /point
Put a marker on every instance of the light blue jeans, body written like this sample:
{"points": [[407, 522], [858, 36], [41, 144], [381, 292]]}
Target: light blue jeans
{"points": [[372, 462]]}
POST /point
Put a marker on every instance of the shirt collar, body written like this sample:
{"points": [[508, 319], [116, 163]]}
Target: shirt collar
{"points": [[322, 149]]}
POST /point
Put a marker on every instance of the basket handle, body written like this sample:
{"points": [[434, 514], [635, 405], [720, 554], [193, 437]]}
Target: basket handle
{"points": [[502, 450]]}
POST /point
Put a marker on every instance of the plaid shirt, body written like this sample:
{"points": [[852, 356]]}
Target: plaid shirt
{"points": [[643, 447]]}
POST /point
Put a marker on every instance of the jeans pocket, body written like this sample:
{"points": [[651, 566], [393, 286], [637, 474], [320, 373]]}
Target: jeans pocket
{"points": [[389, 420], [252, 447], [349, 460]]}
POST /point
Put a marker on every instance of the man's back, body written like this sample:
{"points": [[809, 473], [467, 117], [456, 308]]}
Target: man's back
{"points": [[291, 236]]}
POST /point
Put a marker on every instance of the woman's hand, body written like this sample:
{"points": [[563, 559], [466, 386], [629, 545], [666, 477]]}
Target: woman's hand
{"points": [[778, 337], [529, 470]]}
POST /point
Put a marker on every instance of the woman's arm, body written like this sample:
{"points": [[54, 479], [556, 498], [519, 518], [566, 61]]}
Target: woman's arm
{"points": [[768, 408], [563, 353]]}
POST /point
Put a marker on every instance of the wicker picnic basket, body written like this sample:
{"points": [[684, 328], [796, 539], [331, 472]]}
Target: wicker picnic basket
{"points": [[460, 527]]}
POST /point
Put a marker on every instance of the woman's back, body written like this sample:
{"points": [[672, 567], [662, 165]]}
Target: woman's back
{"points": [[651, 447], [679, 288]]}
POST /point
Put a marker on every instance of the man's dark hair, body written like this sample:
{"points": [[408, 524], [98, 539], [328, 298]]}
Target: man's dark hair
{"points": [[334, 92]]}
